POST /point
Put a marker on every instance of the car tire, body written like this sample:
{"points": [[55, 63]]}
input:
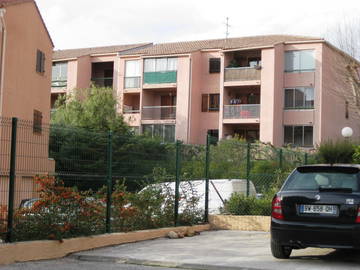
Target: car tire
{"points": [[279, 251]]}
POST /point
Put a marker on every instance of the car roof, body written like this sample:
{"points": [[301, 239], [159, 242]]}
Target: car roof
{"points": [[332, 165]]}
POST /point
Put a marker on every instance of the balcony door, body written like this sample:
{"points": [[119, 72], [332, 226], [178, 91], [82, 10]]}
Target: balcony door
{"points": [[168, 111]]}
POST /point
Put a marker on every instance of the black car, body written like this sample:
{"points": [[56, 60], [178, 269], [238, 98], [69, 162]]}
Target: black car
{"points": [[318, 206]]}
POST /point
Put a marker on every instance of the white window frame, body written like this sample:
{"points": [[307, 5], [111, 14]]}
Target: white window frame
{"points": [[61, 76], [303, 107], [300, 54], [153, 64], [303, 135]]}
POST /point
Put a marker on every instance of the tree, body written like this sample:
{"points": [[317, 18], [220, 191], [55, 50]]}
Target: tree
{"points": [[92, 108], [79, 138], [345, 63]]}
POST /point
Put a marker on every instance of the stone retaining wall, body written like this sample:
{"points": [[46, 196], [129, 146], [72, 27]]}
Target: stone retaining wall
{"points": [[242, 223]]}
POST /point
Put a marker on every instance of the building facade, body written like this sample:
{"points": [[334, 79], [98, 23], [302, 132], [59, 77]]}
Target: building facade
{"points": [[277, 89], [25, 79], [77, 68]]}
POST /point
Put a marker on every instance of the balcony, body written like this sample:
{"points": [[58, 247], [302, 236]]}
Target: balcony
{"points": [[103, 82], [132, 82], [242, 74], [160, 77], [158, 113], [245, 111]]}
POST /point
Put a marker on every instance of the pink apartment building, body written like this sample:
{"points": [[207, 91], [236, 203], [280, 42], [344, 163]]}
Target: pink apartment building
{"points": [[277, 89], [77, 68], [25, 78]]}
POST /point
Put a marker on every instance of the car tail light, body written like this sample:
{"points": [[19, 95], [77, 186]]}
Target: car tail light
{"points": [[358, 216], [276, 211]]}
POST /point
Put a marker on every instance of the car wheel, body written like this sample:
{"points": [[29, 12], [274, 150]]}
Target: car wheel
{"points": [[279, 251]]}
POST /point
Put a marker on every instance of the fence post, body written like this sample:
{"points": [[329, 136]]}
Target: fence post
{"points": [[248, 169], [177, 182], [280, 159], [109, 183], [207, 161], [305, 158], [10, 217]]}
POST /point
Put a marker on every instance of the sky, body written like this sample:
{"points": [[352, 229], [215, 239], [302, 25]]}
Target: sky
{"points": [[90, 23]]}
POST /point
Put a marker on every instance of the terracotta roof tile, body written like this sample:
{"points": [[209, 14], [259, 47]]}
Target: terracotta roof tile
{"points": [[74, 53], [231, 43]]}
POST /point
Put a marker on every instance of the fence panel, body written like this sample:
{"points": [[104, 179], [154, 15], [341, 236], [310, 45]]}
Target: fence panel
{"points": [[192, 186]]}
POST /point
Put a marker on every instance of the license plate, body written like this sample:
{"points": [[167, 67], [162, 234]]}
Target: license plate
{"points": [[318, 209]]}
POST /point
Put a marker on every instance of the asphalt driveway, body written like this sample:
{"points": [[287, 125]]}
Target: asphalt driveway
{"points": [[220, 250]]}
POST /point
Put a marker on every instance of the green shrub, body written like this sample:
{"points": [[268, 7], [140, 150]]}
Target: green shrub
{"points": [[356, 155], [239, 204], [336, 152]]}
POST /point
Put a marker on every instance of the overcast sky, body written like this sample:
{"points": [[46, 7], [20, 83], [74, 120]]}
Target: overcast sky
{"points": [[89, 23]]}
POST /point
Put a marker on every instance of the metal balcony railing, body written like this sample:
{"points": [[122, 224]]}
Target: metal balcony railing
{"points": [[245, 111], [59, 83], [242, 74], [130, 109], [132, 82], [158, 112], [103, 82]]}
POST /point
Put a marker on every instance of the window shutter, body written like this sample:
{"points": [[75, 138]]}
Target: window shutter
{"points": [[214, 65], [42, 62], [37, 121], [38, 60], [204, 102]]}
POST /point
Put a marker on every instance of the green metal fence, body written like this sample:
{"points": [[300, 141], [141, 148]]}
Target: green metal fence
{"points": [[59, 182]]}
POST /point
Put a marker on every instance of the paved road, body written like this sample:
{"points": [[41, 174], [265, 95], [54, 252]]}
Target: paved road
{"points": [[223, 250]]}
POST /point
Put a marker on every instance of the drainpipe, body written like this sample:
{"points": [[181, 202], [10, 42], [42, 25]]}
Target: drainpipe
{"points": [[2, 56], [189, 101]]}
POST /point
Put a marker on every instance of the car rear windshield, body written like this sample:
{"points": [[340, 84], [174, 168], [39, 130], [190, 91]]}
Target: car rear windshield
{"points": [[307, 178]]}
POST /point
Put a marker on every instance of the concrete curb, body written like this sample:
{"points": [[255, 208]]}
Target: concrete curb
{"points": [[51, 249], [125, 260]]}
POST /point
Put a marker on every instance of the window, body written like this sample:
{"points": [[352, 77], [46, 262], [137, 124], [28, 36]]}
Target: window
{"points": [[299, 61], [132, 74], [214, 65], [59, 74], [40, 61], [298, 135], [37, 122], [160, 64], [299, 98], [165, 132], [311, 178], [210, 102]]}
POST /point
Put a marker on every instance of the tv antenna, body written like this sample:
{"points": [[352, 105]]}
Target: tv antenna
{"points": [[227, 28]]}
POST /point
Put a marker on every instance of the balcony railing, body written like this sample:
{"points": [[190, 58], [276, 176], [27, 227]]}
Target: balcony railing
{"points": [[59, 83], [158, 113], [130, 109], [160, 77], [242, 74], [245, 111], [103, 82], [132, 82]]}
